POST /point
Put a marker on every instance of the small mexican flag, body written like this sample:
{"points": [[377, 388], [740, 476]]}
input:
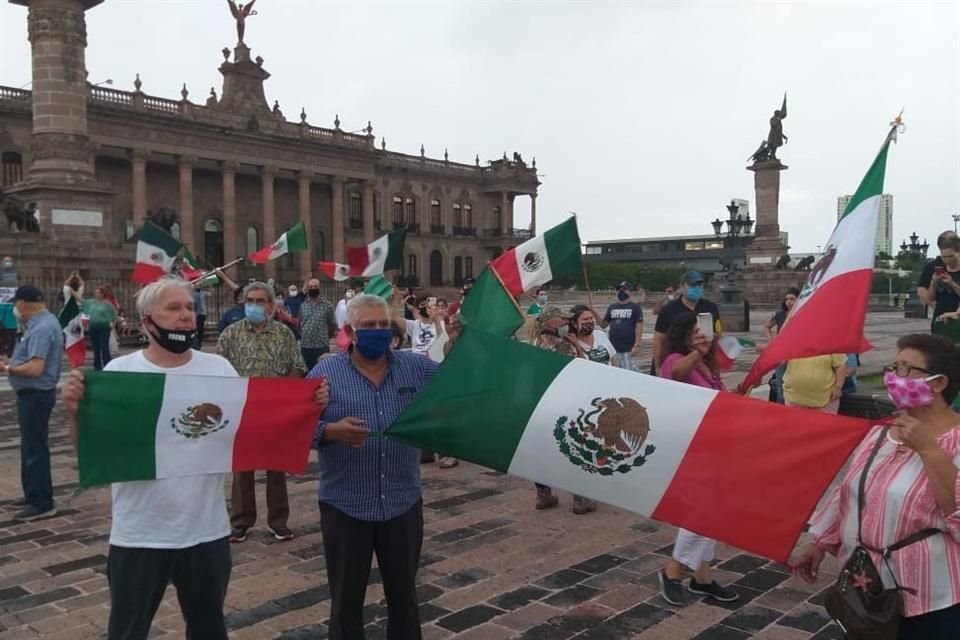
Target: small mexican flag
{"points": [[293, 239], [729, 348], [73, 339], [686, 455], [144, 426], [541, 258], [191, 270], [383, 254], [156, 252], [380, 287]]}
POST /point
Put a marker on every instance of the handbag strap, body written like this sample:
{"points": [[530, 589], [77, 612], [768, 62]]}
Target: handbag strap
{"points": [[863, 483]]}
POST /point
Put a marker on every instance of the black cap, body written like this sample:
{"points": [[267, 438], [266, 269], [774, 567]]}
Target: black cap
{"points": [[28, 293], [467, 281], [625, 285]]}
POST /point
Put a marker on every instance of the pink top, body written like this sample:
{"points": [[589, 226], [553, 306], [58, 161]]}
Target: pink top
{"points": [[696, 377], [899, 502]]}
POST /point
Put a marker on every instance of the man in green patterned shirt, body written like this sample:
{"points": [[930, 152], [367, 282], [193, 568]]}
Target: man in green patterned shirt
{"points": [[259, 346], [318, 324]]}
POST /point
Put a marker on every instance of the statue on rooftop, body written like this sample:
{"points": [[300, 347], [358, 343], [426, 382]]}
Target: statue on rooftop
{"points": [[240, 14]]}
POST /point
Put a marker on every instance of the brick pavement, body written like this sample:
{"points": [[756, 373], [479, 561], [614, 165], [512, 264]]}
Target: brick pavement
{"points": [[492, 568]]}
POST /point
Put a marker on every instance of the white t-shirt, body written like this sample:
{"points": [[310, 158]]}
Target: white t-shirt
{"points": [[601, 351], [422, 335], [341, 313], [170, 513]]}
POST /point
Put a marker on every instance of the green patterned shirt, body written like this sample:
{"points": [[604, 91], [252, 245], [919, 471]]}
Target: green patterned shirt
{"points": [[271, 353], [316, 318]]}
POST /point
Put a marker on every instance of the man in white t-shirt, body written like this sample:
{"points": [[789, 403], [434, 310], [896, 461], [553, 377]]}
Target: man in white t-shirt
{"points": [[173, 529], [341, 311], [426, 326]]}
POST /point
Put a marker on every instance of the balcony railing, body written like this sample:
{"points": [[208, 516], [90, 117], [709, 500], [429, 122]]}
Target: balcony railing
{"points": [[356, 224], [521, 234], [465, 231], [437, 229], [412, 228], [492, 233]]}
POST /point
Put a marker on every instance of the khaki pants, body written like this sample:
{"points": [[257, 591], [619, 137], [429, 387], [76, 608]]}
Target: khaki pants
{"points": [[243, 501]]}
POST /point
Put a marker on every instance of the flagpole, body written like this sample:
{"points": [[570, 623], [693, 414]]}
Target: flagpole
{"points": [[502, 284], [586, 282], [226, 266]]}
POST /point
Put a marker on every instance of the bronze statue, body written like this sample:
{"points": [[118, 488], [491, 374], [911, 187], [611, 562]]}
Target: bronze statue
{"points": [[240, 13], [775, 138]]}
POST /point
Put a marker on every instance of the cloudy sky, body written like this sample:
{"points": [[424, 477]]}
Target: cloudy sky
{"points": [[640, 114]]}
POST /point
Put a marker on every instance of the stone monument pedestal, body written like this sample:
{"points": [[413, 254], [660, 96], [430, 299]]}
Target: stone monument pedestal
{"points": [[763, 283]]}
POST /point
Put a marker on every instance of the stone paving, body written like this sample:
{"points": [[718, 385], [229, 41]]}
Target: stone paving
{"points": [[492, 566]]}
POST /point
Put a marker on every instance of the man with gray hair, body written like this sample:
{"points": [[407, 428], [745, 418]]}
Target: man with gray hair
{"points": [[259, 346], [370, 497]]}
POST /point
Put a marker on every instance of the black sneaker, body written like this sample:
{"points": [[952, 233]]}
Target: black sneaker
{"points": [[672, 590], [31, 513], [713, 590], [238, 534], [282, 534]]}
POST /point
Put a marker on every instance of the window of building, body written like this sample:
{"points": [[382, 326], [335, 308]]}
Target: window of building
{"points": [[457, 215], [253, 240], [397, 211], [594, 250], [693, 246], [377, 214], [457, 271], [436, 216], [468, 216], [468, 267], [130, 229], [650, 247], [412, 265], [355, 210], [11, 168], [714, 244], [410, 211], [497, 218], [213, 242]]}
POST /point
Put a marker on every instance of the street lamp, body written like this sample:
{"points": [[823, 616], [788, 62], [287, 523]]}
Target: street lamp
{"points": [[718, 226], [956, 219]]}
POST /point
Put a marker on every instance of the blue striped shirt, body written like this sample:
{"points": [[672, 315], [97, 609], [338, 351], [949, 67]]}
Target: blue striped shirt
{"points": [[380, 480]]}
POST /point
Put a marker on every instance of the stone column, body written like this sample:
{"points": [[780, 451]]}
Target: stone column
{"points": [[228, 170], [267, 175], [138, 187], [367, 204], [303, 200], [186, 202], [766, 246], [336, 214], [506, 214], [57, 31], [533, 213]]}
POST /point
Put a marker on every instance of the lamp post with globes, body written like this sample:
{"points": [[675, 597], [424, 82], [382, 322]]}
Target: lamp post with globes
{"points": [[734, 310], [912, 256]]}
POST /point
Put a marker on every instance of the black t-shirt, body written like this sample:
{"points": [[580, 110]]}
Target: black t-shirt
{"points": [[676, 308], [947, 299], [623, 317]]}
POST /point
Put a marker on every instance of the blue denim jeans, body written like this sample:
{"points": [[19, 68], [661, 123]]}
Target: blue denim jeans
{"points": [[100, 341], [33, 414]]}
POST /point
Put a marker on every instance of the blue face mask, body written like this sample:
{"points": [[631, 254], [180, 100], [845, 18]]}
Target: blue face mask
{"points": [[694, 293], [255, 313], [373, 343]]}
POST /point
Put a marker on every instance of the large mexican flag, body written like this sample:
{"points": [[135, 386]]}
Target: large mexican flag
{"points": [[830, 313], [156, 252], [291, 240], [541, 258], [144, 426], [743, 471]]}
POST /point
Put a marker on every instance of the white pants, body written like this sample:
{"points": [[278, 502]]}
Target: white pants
{"points": [[692, 550]]}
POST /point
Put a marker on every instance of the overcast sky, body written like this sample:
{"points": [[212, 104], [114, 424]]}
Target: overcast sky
{"points": [[640, 114]]}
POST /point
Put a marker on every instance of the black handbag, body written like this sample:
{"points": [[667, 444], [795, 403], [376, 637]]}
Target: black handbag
{"points": [[857, 601]]}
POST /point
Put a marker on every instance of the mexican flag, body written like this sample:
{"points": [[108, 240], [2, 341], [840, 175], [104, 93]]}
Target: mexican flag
{"points": [[729, 349], [489, 307], [383, 254], [293, 239], [144, 426], [690, 456], [74, 342], [156, 252], [191, 270], [828, 316], [541, 258], [380, 287]]}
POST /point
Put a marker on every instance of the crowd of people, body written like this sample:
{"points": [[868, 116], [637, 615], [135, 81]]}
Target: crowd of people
{"points": [[180, 530]]}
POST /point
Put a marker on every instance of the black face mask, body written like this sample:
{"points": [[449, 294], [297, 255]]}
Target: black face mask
{"points": [[174, 341], [424, 312], [313, 293]]}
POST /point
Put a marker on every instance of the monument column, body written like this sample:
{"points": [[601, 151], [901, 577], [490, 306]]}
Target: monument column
{"points": [[228, 170], [138, 187], [767, 246], [303, 200], [533, 214], [267, 175], [367, 204], [185, 164], [336, 214]]}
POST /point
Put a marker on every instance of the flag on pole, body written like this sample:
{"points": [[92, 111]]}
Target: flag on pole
{"points": [[383, 254], [145, 426], [156, 252], [828, 316], [191, 270], [686, 455], [74, 343], [729, 348], [489, 307], [380, 287], [541, 258], [293, 239]]}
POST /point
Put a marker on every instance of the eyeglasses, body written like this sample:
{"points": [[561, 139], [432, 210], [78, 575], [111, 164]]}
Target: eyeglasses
{"points": [[904, 370]]}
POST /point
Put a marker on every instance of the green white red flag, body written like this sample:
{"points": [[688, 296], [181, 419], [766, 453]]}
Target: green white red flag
{"points": [[74, 342], [191, 271], [293, 239], [829, 315], [540, 259], [490, 307], [156, 253], [686, 455], [729, 349], [144, 426], [383, 254]]}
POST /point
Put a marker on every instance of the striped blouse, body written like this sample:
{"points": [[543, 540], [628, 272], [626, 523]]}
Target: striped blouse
{"points": [[899, 502]]}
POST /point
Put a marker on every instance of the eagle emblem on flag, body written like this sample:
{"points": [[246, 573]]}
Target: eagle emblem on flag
{"points": [[611, 438], [343, 270], [819, 271], [199, 420], [156, 257], [532, 262]]}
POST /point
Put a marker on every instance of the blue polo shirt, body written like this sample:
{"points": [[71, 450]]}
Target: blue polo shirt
{"points": [[42, 338]]}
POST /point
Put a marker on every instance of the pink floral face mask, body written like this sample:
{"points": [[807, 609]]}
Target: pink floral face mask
{"points": [[908, 393]]}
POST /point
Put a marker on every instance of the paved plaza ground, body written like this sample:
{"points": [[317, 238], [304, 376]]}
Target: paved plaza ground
{"points": [[492, 566]]}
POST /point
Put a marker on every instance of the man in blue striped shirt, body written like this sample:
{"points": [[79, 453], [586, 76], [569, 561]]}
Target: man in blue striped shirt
{"points": [[370, 499]]}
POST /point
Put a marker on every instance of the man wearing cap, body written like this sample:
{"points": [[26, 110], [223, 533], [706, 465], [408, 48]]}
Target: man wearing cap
{"points": [[34, 370], [625, 319], [691, 300]]}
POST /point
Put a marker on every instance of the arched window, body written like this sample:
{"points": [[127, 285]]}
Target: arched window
{"points": [[436, 269], [436, 217], [213, 242], [412, 265], [457, 215], [355, 210], [253, 240], [321, 248], [468, 267], [11, 168], [468, 216], [457, 271], [410, 210], [397, 212], [175, 230], [497, 220]]}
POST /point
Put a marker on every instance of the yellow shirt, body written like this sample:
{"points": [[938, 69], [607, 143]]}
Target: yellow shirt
{"points": [[809, 382]]}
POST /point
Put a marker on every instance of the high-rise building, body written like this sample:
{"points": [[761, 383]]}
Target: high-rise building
{"points": [[884, 242]]}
